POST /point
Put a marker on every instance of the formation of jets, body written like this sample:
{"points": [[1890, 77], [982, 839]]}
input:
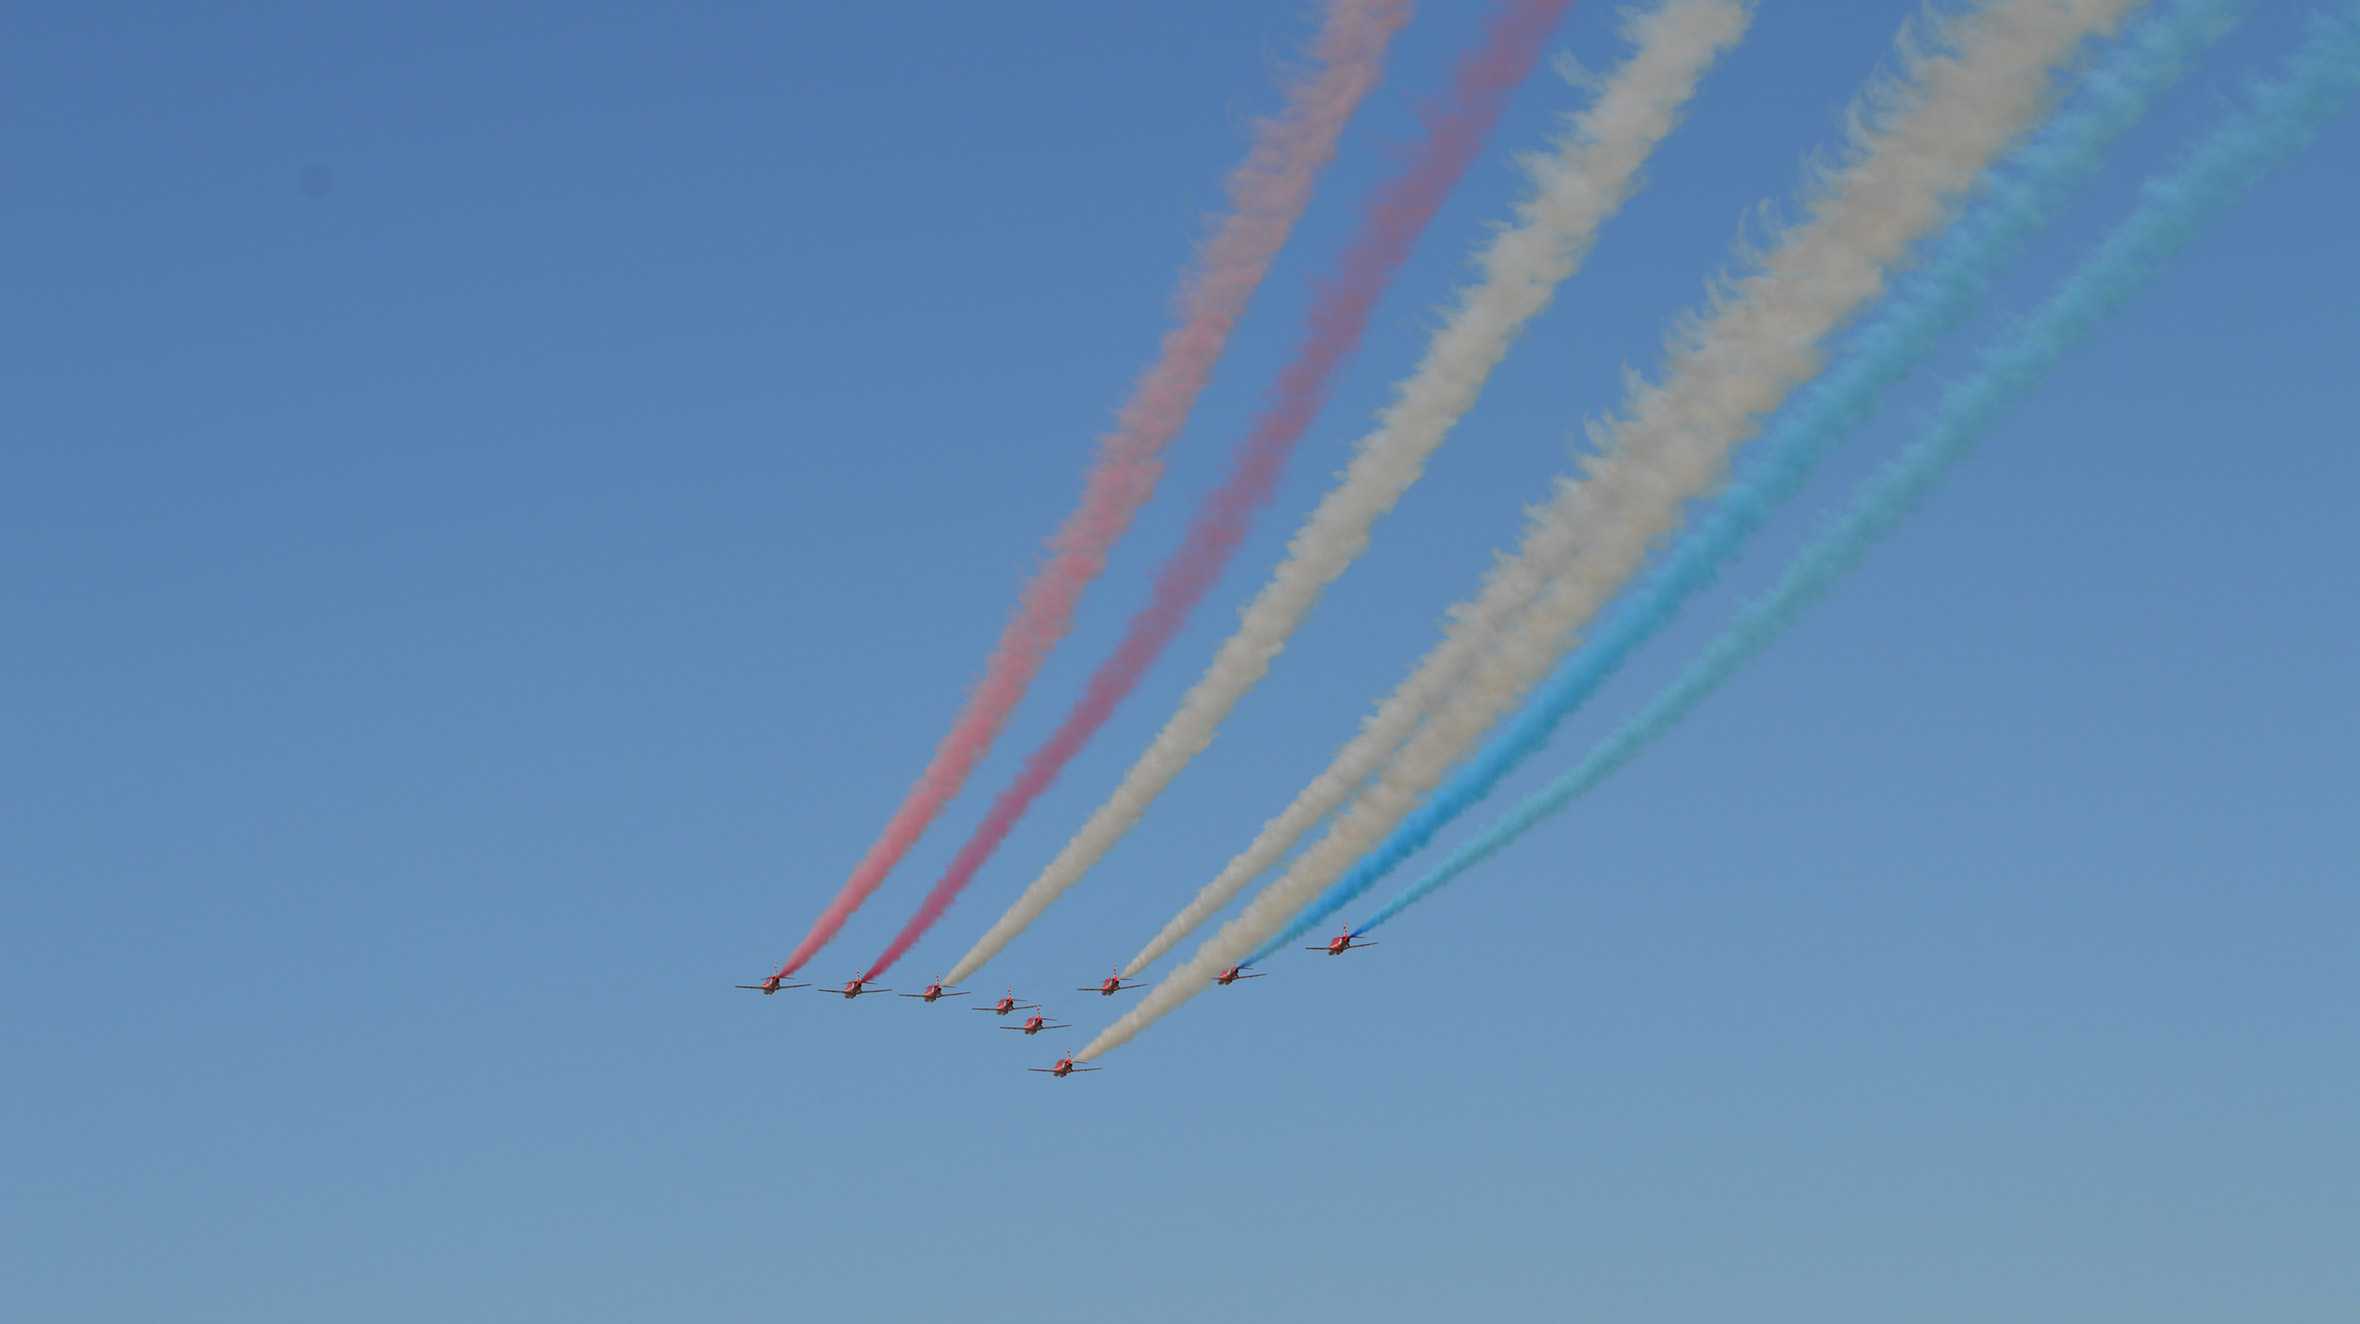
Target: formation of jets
{"points": [[1039, 1020]]}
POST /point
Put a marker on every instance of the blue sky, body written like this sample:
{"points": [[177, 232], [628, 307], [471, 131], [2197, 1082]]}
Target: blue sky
{"points": [[499, 506]]}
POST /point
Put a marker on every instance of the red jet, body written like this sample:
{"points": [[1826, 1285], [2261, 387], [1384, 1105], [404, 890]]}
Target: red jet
{"points": [[1341, 944], [936, 992], [771, 985], [1006, 1004], [1109, 986], [1236, 973], [1034, 1024], [1064, 1068], [854, 988]]}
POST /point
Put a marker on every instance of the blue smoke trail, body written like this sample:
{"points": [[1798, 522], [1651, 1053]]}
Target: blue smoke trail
{"points": [[2024, 191], [2284, 116]]}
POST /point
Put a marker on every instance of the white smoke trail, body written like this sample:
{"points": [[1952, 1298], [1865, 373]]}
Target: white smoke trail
{"points": [[1917, 141], [1577, 186]]}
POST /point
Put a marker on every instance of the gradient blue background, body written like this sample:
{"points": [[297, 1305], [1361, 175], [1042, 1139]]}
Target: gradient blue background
{"points": [[497, 507]]}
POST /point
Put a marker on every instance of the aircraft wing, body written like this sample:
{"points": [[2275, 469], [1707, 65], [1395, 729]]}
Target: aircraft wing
{"points": [[1256, 975], [960, 994], [1089, 1068], [1056, 1027]]}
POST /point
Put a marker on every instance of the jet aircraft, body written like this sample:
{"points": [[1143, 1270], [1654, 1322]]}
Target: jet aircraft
{"points": [[1006, 1004], [1064, 1068], [1109, 986], [1034, 1024]]}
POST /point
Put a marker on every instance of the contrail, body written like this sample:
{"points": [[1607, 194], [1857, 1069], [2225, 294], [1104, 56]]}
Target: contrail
{"points": [[1917, 141], [2283, 117], [1592, 168], [1389, 229], [1267, 194], [1758, 342], [2022, 194]]}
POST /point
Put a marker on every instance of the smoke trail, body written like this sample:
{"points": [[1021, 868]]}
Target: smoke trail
{"points": [[2284, 115], [1577, 186], [1756, 345], [1479, 92], [1917, 141], [1267, 194], [2023, 193]]}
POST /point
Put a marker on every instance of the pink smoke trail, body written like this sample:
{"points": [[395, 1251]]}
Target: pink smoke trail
{"points": [[1395, 218], [1267, 194]]}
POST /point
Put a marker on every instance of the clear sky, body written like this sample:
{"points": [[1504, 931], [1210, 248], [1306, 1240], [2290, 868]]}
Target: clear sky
{"points": [[497, 507]]}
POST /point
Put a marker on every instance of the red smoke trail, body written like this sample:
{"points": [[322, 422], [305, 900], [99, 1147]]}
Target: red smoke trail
{"points": [[1454, 132], [1267, 195]]}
